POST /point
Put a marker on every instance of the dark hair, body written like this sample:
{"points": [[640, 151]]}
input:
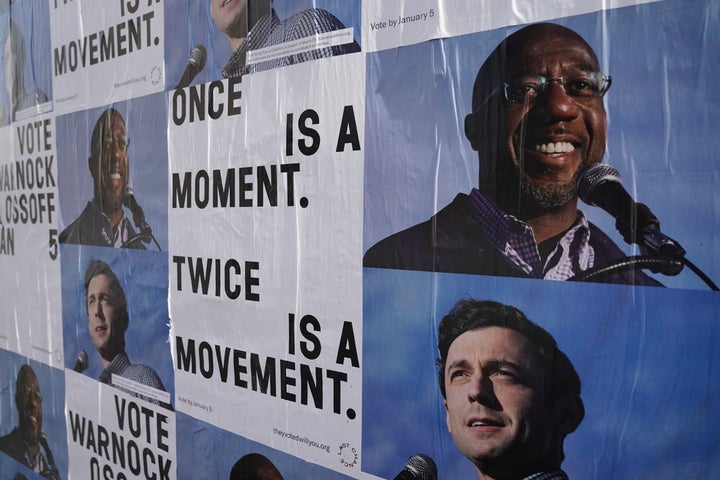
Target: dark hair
{"points": [[119, 302], [470, 314]]}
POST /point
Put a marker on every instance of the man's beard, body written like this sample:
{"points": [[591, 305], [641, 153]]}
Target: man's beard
{"points": [[549, 195]]}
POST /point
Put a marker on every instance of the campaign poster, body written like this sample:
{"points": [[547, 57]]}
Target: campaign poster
{"points": [[203, 35], [211, 452], [661, 155], [32, 433], [642, 354], [131, 312], [113, 160], [104, 52], [395, 24], [29, 250], [118, 369], [115, 434], [265, 240], [25, 42]]}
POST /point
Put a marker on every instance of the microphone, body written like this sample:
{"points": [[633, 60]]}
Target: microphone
{"points": [[81, 364], [418, 467], [196, 62], [599, 185], [128, 199]]}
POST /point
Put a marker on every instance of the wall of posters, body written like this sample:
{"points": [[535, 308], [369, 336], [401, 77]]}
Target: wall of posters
{"points": [[356, 239]]}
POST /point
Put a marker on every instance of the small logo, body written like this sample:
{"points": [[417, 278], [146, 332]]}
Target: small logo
{"points": [[348, 455], [155, 75]]}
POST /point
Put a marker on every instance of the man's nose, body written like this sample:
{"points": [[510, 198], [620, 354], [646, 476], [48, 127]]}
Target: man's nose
{"points": [[482, 391], [557, 104], [118, 149]]}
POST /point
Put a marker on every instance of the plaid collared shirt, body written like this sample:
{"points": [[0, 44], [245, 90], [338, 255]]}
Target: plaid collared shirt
{"points": [[116, 237], [515, 240], [270, 30]]}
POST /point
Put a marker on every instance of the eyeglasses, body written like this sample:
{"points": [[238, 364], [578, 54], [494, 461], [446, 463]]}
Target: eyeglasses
{"points": [[584, 85], [109, 143], [32, 394]]}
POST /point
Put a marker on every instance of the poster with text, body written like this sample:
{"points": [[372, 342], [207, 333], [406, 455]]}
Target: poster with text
{"points": [[265, 219], [106, 51], [113, 434], [211, 452], [395, 24], [29, 251]]}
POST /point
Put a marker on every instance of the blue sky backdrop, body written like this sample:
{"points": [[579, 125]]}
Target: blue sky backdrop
{"points": [[647, 358]]}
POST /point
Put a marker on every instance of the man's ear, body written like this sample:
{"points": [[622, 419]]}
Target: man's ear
{"points": [[569, 413]]}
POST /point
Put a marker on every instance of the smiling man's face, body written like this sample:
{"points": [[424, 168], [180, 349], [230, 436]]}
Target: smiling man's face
{"points": [[539, 146], [109, 162], [28, 401]]}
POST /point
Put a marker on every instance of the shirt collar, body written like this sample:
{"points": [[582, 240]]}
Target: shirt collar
{"points": [[117, 366], [515, 240]]}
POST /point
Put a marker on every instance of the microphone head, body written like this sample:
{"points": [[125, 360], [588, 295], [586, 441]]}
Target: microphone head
{"points": [[197, 57], [422, 467], [593, 176], [127, 195], [81, 364]]}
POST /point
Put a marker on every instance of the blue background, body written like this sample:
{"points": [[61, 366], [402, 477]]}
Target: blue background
{"points": [[647, 358], [662, 116]]}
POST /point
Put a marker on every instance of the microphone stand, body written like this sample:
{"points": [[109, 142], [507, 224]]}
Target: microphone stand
{"points": [[662, 254], [655, 264], [144, 230], [145, 237]]}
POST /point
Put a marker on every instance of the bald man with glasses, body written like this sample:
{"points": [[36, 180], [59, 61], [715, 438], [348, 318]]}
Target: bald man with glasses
{"points": [[537, 120], [27, 443], [103, 222]]}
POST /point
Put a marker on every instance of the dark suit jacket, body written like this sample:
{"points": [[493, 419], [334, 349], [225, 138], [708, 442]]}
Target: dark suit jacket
{"points": [[13, 445], [453, 241]]}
